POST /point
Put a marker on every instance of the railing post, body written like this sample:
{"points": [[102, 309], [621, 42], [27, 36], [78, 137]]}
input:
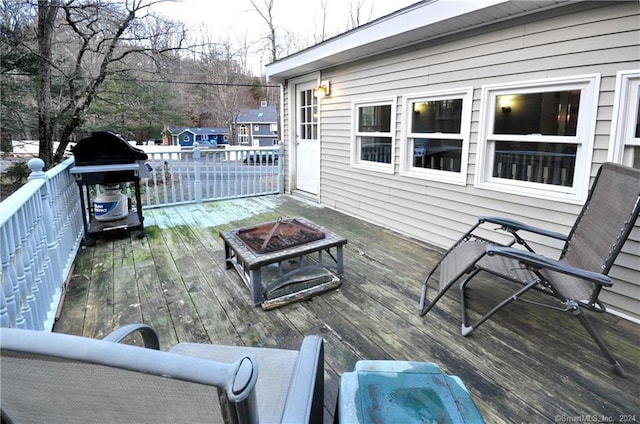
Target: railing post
{"points": [[11, 292], [197, 184], [53, 259], [281, 168]]}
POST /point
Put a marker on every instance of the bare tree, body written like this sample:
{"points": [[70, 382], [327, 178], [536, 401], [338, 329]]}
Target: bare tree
{"points": [[357, 15], [101, 40], [265, 10], [233, 93], [321, 31]]}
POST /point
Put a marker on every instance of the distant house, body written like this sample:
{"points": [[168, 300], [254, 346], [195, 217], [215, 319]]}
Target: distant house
{"points": [[257, 127], [185, 136], [443, 111]]}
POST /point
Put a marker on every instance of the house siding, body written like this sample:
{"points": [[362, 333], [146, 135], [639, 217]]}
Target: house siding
{"points": [[600, 41]]}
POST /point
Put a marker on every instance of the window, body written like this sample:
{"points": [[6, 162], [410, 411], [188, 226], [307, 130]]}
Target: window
{"points": [[536, 137], [243, 135], [307, 116], [372, 138], [625, 125], [437, 135]]}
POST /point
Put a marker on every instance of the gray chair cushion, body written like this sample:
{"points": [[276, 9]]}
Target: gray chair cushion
{"points": [[275, 368]]}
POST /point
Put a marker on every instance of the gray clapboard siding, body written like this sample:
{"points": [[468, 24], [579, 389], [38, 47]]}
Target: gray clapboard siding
{"points": [[602, 39]]}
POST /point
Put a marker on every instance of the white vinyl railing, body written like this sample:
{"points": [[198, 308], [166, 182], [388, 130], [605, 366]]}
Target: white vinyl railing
{"points": [[196, 175], [40, 230], [41, 224]]}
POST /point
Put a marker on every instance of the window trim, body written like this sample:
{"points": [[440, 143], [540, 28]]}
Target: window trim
{"points": [[406, 154], [622, 117], [243, 134], [584, 138], [388, 168]]}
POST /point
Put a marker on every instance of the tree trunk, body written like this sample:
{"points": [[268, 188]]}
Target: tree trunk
{"points": [[47, 11], [6, 144]]}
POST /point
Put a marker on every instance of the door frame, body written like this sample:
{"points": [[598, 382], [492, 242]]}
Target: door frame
{"points": [[313, 78]]}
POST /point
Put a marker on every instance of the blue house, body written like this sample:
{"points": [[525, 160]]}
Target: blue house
{"points": [[185, 136], [257, 127]]}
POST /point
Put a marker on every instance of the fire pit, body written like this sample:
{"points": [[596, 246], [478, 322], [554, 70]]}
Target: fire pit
{"points": [[269, 237], [285, 260]]}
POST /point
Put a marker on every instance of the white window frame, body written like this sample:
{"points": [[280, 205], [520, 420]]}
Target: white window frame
{"points": [[406, 147], [243, 134], [585, 133], [355, 160], [623, 119]]}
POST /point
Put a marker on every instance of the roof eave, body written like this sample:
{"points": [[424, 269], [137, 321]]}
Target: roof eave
{"points": [[420, 22]]}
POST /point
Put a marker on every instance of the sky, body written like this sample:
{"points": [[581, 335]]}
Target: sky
{"points": [[238, 20]]}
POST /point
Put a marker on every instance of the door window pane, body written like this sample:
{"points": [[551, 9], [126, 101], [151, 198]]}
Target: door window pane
{"points": [[308, 125]]}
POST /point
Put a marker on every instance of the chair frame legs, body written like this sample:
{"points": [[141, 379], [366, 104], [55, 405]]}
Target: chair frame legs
{"points": [[579, 313], [569, 306], [466, 329]]}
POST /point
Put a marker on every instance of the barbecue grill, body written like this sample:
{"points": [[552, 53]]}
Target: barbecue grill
{"points": [[103, 162]]}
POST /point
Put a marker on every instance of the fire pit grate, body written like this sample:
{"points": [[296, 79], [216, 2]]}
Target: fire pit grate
{"points": [[282, 234]]}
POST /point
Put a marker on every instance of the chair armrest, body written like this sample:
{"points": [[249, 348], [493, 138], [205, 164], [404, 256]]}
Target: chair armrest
{"points": [[149, 335], [305, 397], [538, 261], [513, 225]]}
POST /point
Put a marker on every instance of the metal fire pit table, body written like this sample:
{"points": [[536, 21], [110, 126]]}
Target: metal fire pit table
{"points": [[288, 260]]}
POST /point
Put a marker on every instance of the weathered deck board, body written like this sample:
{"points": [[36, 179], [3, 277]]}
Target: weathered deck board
{"points": [[126, 300], [527, 364]]}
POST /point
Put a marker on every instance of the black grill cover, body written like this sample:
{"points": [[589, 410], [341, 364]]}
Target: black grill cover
{"points": [[105, 148]]}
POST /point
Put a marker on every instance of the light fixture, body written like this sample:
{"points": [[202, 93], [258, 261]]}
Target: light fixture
{"points": [[323, 90], [505, 103], [420, 107]]}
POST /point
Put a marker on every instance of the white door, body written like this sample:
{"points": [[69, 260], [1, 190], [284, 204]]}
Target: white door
{"points": [[307, 148]]}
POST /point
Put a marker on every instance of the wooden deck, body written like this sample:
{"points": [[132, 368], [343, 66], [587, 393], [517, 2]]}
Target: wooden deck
{"points": [[527, 364]]}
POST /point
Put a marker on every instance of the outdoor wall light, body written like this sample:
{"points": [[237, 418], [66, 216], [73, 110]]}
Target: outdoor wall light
{"points": [[323, 90]]}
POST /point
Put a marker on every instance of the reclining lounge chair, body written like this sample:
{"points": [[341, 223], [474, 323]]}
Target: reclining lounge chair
{"points": [[60, 378], [575, 280]]}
